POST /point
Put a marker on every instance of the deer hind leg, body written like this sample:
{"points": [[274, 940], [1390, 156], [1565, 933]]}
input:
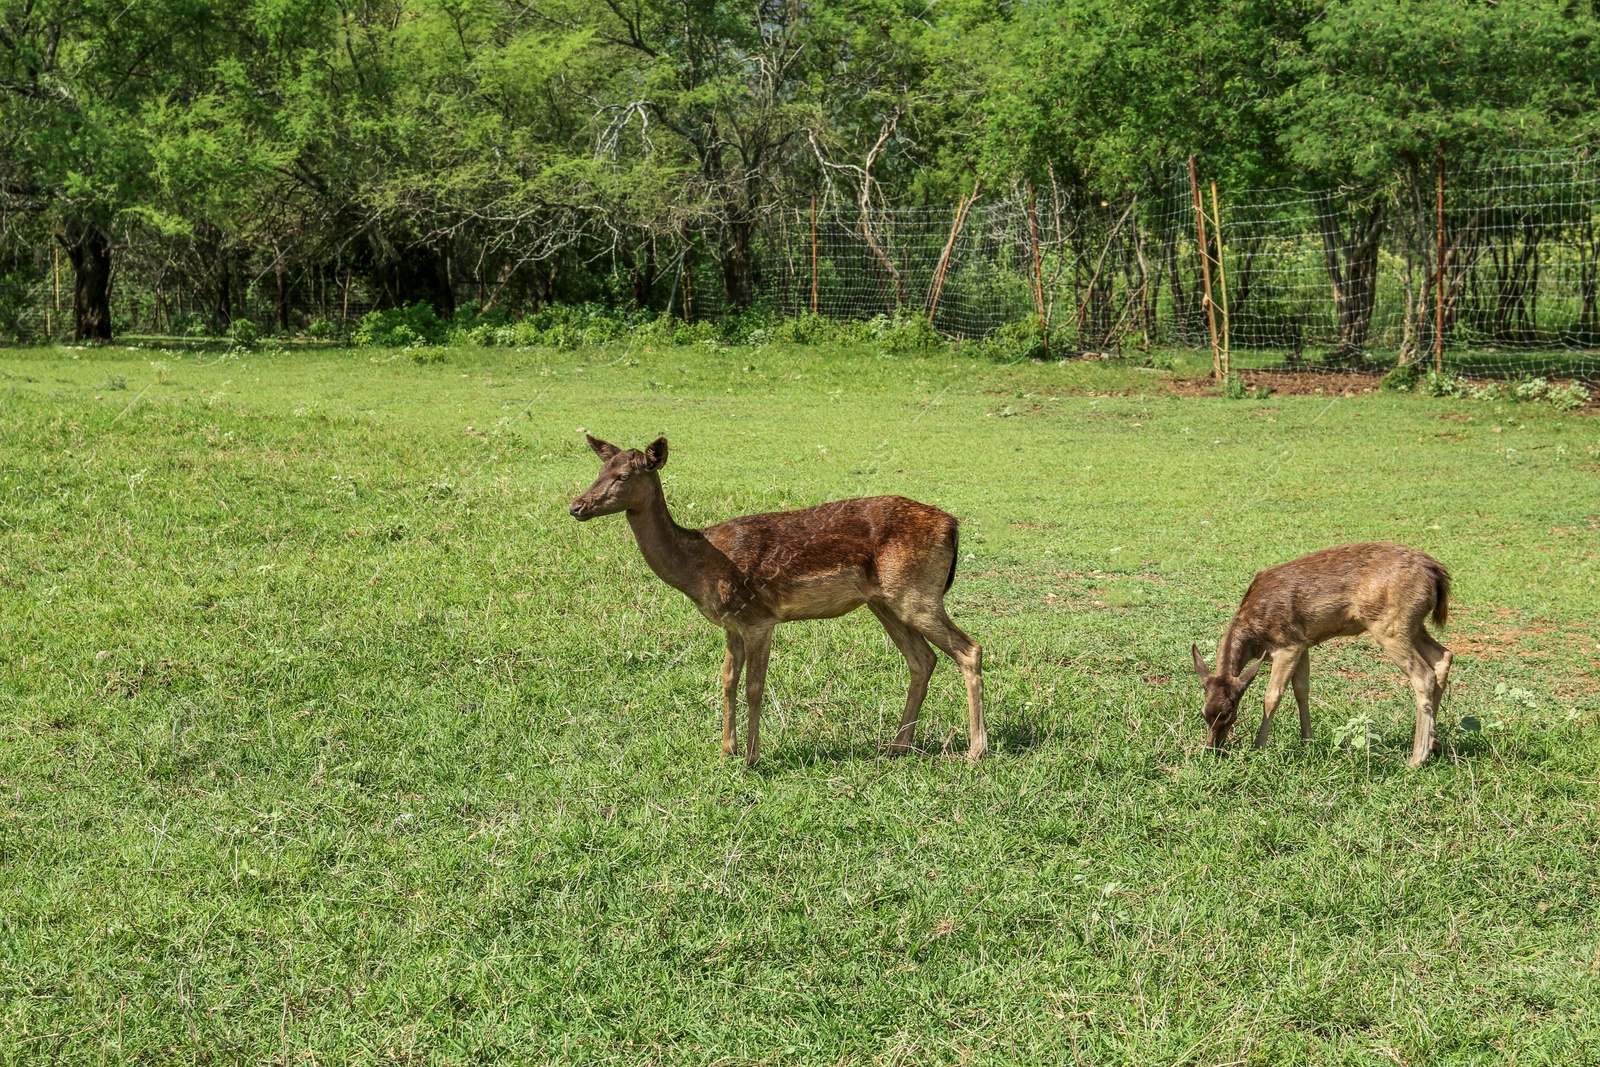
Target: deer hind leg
{"points": [[731, 667], [921, 660], [1424, 684], [1438, 658], [757, 649], [932, 622], [1302, 693], [1283, 666]]}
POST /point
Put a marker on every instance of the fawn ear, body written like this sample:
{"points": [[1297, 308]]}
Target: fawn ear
{"points": [[655, 454], [1250, 674], [1199, 664], [604, 449]]}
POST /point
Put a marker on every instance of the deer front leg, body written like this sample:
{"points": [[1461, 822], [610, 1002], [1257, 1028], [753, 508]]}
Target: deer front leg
{"points": [[757, 647], [1302, 693], [1283, 664], [731, 666]]}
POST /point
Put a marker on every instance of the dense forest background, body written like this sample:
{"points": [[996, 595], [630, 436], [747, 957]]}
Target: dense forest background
{"points": [[504, 156]]}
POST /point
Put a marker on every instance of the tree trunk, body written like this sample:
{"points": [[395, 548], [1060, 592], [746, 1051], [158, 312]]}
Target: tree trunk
{"points": [[1352, 261], [283, 296], [738, 267], [89, 251]]}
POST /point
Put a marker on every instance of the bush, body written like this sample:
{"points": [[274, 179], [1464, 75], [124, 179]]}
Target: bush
{"points": [[1531, 389], [243, 332], [907, 331], [805, 329], [1403, 379], [1015, 342], [402, 327], [323, 330], [1233, 388], [1569, 397], [1441, 383]]}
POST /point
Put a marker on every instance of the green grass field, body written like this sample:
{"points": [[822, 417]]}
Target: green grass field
{"points": [[326, 736]]}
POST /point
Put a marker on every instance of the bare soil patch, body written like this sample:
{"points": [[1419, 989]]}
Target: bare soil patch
{"points": [[1286, 383]]}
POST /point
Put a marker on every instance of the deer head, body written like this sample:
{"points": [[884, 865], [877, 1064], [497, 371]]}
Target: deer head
{"points": [[1222, 697], [627, 482]]}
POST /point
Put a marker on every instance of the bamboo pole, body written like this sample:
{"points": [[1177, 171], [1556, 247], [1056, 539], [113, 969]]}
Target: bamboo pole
{"points": [[1205, 270], [1438, 282], [1038, 272], [1222, 282], [813, 254], [56, 274]]}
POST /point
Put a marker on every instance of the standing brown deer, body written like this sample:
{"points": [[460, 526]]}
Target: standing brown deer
{"points": [[1384, 589], [747, 575]]}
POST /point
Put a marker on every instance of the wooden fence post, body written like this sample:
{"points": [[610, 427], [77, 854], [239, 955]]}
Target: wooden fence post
{"points": [[1038, 273], [1438, 282], [1205, 270], [1222, 282], [813, 254]]}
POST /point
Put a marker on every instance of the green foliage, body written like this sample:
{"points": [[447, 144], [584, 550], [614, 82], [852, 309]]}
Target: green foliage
{"points": [[1530, 389], [1233, 388], [906, 331], [243, 332], [1573, 396], [402, 327], [1442, 384], [1403, 378], [1016, 342]]}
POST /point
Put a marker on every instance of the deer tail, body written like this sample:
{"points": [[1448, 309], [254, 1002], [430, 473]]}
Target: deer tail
{"points": [[955, 554], [1441, 594]]}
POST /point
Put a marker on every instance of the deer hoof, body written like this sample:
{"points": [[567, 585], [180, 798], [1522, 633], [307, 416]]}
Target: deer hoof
{"points": [[977, 750]]}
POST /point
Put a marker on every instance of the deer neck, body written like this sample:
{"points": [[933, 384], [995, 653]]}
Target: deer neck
{"points": [[1238, 648], [671, 551]]}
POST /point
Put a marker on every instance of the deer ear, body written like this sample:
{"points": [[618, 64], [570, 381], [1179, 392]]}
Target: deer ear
{"points": [[604, 449], [1199, 664], [1250, 674], [655, 454]]}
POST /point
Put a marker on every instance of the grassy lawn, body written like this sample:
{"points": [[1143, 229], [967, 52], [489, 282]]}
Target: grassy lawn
{"points": [[326, 736]]}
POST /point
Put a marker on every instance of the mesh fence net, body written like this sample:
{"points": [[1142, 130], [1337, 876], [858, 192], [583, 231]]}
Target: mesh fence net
{"points": [[1297, 278]]}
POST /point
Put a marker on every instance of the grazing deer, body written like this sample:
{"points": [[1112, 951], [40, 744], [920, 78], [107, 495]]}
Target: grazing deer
{"points": [[1384, 589], [747, 575]]}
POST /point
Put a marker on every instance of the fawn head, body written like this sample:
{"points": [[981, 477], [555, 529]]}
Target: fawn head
{"points": [[627, 481], [1222, 697]]}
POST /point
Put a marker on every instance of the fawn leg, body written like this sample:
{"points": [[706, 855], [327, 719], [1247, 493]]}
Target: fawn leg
{"points": [[920, 659], [1302, 693], [731, 667], [1283, 664], [758, 647], [1423, 684], [936, 626]]}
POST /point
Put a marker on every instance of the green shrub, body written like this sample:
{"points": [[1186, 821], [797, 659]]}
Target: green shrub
{"points": [[906, 331], [1403, 379], [805, 329], [749, 326], [402, 327], [1531, 389], [1569, 397], [323, 330], [1015, 342], [243, 332], [1441, 383], [1233, 388]]}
